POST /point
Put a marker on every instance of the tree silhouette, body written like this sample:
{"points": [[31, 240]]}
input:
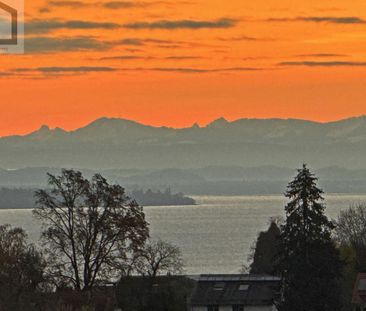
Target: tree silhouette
{"points": [[90, 226], [159, 258], [351, 230], [309, 262], [21, 269], [265, 251]]}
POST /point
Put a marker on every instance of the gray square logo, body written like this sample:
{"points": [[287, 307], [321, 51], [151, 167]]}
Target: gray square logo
{"points": [[11, 27]]}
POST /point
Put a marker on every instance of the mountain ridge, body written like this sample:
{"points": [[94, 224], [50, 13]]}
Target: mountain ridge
{"points": [[221, 120], [122, 143]]}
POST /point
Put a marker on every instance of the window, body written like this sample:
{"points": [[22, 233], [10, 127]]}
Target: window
{"points": [[219, 286], [243, 287], [238, 308], [213, 308], [362, 285]]}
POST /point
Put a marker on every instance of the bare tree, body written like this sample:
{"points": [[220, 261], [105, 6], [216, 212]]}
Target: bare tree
{"points": [[351, 230], [159, 257], [88, 224]]}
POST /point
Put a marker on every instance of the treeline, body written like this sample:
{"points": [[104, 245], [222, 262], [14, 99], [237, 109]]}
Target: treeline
{"points": [[156, 198], [13, 198], [318, 259], [93, 233]]}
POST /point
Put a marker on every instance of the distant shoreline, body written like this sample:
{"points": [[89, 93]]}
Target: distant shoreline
{"points": [[199, 198], [22, 198]]}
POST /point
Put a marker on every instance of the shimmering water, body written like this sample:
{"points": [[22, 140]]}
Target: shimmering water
{"points": [[216, 235]]}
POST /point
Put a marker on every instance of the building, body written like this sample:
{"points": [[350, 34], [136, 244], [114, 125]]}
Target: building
{"points": [[236, 292], [359, 293]]}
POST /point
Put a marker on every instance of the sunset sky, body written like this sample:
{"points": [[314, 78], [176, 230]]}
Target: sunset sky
{"points": [[178, 62]]}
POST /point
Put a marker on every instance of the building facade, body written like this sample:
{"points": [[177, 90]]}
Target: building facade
{"points": [[234, 293], [359, 293]]}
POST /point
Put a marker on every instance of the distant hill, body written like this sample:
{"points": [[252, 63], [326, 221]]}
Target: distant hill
{"points": [[14, 198], [209, 180], [118, 143]]}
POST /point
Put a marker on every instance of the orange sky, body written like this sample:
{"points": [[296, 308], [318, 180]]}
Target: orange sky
{"points": [[179, 62]]}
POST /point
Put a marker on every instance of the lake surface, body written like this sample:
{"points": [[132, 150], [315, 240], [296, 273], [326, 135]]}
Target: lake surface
{"points": [[216, 235]]}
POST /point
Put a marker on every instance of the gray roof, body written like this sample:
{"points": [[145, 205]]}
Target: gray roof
{"points": [[237, 278], [235, 290]]}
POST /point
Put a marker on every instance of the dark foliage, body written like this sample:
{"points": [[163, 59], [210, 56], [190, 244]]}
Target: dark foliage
{"points": [[21, 269], [154, 294], [155, 198], [158, 258], [350, 230], [309, 261], [265, 252], [349, 274]]}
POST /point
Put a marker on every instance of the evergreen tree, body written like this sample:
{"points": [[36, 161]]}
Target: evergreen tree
{"points": [[265, 251], [310, 264]]}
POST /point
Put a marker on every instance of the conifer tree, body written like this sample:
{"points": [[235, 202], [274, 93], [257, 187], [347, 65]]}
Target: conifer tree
{"points": [[309, 261], [265, 252]]}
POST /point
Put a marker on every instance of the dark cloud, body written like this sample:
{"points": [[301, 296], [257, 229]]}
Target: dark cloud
{"points": [[109, 5], [322, 19], [46, 26], [323, 64], [61, 70], [139, 41], [321, 55], [167, 44], [244, 38], [335, 20], [137, 57], [45, 44], [125, 4], [113, 5], [183, 57], [56, 71], [131, 41], [182, 24], [48, 45], [70, 4], [127, 57], [193, 70], [160, 41]]}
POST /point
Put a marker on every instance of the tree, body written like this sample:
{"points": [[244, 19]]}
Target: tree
{"points": [[89, 227], [351, 231], [21, 269], [265, 252], [157, 258], [349, 275], [310, 265], [351, 235]]}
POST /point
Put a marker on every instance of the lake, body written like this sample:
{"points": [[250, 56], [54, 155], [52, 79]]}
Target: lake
{"points": [[216, 235]]}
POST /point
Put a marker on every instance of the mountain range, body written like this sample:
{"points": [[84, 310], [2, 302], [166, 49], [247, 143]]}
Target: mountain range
{"points": [[109, 143]]}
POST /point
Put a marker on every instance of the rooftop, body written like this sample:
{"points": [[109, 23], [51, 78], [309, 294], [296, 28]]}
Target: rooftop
{"points": [[235, 289]]}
